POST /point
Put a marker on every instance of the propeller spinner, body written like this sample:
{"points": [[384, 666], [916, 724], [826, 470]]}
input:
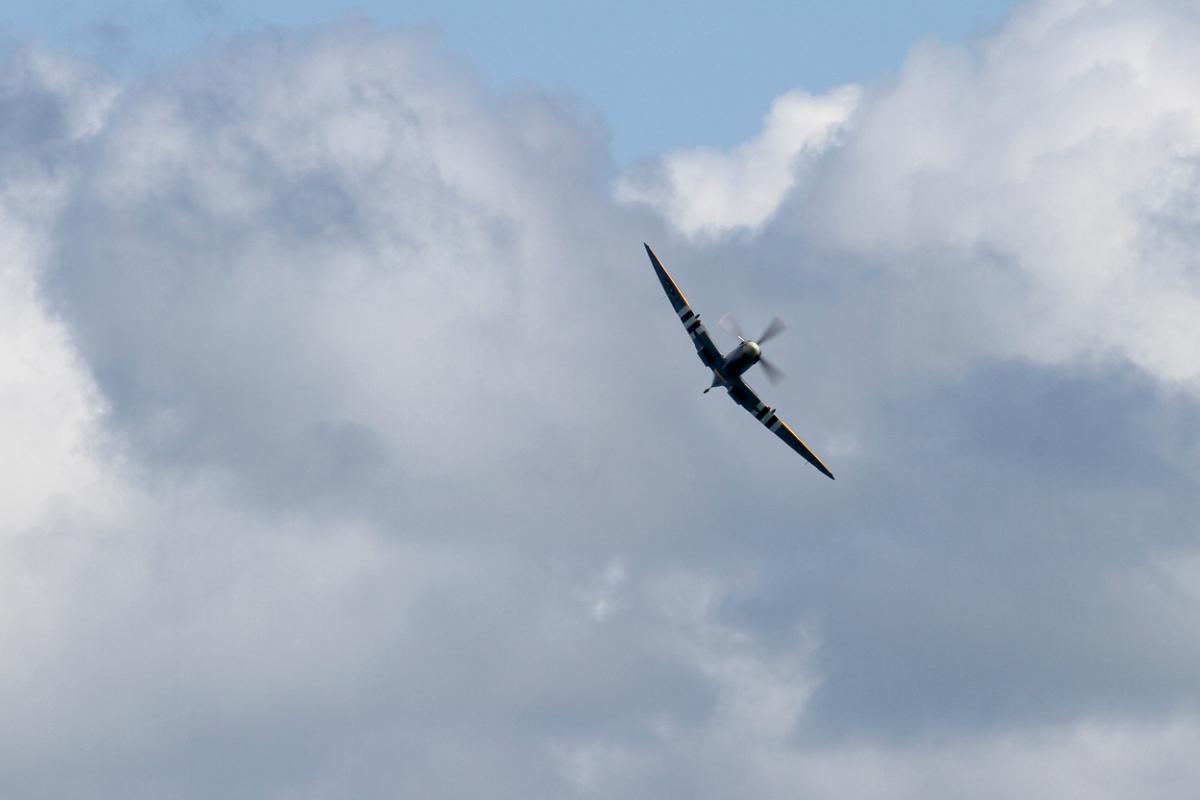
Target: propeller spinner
{"points": [[775, 327]]}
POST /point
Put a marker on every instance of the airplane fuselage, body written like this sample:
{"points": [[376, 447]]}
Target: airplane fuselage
{"points": [[740, 359], [727, 368], [735, 362]]}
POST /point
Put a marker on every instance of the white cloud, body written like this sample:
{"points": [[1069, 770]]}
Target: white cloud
{"points": [[1061, 151], [339, 393], [254, 498], [1051, 164], [47, 400], [706, 193]]}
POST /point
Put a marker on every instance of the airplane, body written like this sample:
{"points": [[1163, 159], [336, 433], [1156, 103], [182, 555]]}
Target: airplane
{"points": [[727, 369]]}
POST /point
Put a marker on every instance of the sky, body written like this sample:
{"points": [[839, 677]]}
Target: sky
{"points": [[355, 452], [661, 74]]}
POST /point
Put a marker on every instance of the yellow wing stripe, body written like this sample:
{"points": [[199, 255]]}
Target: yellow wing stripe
{"points": [[815, 457], [659, 266]]}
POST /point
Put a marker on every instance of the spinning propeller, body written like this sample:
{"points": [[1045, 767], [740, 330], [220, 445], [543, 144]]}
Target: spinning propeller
{"points": [[774, 328]]}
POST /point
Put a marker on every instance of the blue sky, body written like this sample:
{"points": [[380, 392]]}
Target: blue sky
{"points": [[353, 449], [663, 74]]}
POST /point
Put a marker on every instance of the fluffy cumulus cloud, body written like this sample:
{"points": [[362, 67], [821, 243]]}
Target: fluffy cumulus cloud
{"points": [[704, 192], [1066, 148], [354, 452], [1055, 162]]}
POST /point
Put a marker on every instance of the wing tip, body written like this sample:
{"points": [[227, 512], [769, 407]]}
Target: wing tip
{"points": [[819, 464]]}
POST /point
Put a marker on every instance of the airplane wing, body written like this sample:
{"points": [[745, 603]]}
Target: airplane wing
{"points": [[705, 348], [745, 397]]}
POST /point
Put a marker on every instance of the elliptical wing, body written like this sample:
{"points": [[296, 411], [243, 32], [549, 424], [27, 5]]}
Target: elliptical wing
{"points": [[745, 397], [705, 348]]}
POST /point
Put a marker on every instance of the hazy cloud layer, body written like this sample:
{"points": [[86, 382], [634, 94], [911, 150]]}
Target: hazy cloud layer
{"points": [[358, 454]]}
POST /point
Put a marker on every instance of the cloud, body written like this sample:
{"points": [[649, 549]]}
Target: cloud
{"points": [[48, 403], [362, 457], [316, 530], [1059, 152], [1089, 759], [1052, 163], [706, 193], [278, 270]]}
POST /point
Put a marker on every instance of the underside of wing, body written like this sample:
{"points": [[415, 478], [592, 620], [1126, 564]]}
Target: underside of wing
{"points": [[745, 397], [705, 348]]}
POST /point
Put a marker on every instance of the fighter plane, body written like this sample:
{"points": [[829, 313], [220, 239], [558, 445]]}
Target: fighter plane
{"points": [[727, 369]]}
